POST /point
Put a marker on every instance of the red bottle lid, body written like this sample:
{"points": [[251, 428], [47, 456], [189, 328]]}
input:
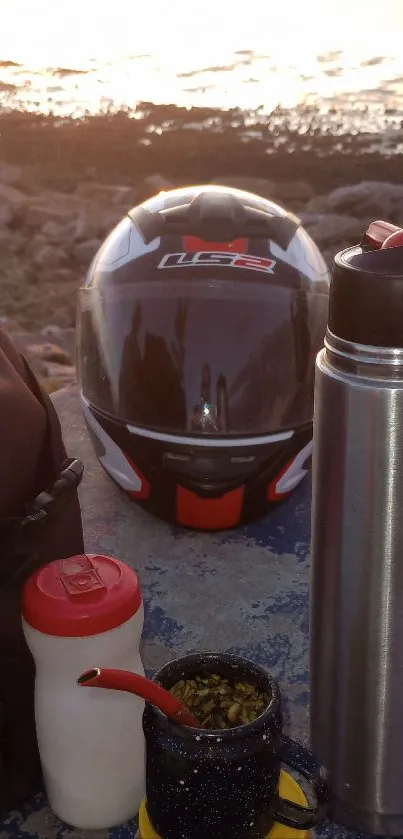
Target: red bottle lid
{"points": [[395, 240], [81, 596], [377, 233]]}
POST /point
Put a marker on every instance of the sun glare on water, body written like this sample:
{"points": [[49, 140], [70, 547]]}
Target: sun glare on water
{"points": [[215, 52]]}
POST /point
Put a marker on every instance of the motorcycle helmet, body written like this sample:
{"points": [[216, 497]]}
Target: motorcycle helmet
{"points": [[198, 326]]}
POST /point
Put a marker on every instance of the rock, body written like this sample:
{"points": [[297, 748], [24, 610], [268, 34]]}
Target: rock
{"points": [[260, 186], [55, 336], [7, 214], [284, 191], [331, 228], [58, 376], [360, 200], [65, 338], [65, 275], [36, 215], [37, 242], [59, 207], [49, 256], [12, 196], [85, 251], [63, 201], [150, 186], [28, 177], [382, 208], [277, 191], [96, 222], [11, 174], [11, 241], [85, 227], [396, 215], [55, 231], [318, 204], [9, 323], [50, 352], [106, 193], [61, 371], [52, 331], [369, 198], [51, 361]]}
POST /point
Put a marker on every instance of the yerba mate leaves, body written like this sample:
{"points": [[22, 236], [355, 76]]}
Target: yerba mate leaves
{"points": [[219, 703]]}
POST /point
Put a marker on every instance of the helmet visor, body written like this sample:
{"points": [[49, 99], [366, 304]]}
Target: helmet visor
{"points": [[205, 357]]}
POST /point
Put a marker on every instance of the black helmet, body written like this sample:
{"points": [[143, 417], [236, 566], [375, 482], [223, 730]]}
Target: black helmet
{"points": [[198, 326]]}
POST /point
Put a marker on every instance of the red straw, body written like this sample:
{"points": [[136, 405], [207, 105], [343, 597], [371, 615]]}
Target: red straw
{"points": [[141, 686]]}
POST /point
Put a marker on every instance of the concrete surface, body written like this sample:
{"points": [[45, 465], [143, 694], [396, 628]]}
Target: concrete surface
{"points": [[244, 591]]}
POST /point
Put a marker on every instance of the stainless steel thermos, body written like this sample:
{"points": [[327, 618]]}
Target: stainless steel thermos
{"points": [[356, 619]]}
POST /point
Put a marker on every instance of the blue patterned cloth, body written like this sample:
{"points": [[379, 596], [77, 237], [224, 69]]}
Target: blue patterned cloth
{"points": [[245, 591]]}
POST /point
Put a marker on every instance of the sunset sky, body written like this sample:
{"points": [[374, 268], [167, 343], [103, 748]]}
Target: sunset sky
{"points": [[49, 31], [187, 50]]}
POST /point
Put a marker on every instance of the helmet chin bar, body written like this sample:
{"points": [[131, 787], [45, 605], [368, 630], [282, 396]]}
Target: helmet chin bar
{"points": [[209, 472], [196, 485]]}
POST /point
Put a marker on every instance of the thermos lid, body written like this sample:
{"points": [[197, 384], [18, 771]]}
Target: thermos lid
{"points": [[81, 596], [366, 291]]}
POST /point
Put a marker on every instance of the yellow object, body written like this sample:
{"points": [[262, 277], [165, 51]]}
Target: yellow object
{"points": [[288, 788]]}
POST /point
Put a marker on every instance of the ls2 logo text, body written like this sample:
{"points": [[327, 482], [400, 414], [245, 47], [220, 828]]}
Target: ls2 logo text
{"points": [[218, 258]]}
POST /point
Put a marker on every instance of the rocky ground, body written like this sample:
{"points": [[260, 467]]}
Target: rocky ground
{"points": [[55, 211]]}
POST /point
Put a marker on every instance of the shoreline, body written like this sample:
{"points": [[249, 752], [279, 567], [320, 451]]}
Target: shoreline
{"points": [[194, 145]]}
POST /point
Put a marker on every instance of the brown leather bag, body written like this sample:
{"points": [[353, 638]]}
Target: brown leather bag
{"points": [[40, 521]]}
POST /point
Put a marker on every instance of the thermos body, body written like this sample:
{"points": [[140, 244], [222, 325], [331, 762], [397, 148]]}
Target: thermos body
{"points": [[356, 621]]}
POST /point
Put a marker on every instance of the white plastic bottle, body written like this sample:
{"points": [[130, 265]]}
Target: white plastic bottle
{"points": [[78, 613]]}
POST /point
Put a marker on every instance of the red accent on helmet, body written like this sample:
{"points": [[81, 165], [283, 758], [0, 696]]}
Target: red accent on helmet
{"points": [[209, 513], [272, 493], [192, 244], [145, 490]]}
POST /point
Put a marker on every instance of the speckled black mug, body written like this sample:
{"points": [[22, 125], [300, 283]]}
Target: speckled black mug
{"points": [[223, 784]]}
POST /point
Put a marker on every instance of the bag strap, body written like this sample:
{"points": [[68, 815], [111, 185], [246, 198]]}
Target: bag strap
{"points": [[26, 531], [19, 548]]}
